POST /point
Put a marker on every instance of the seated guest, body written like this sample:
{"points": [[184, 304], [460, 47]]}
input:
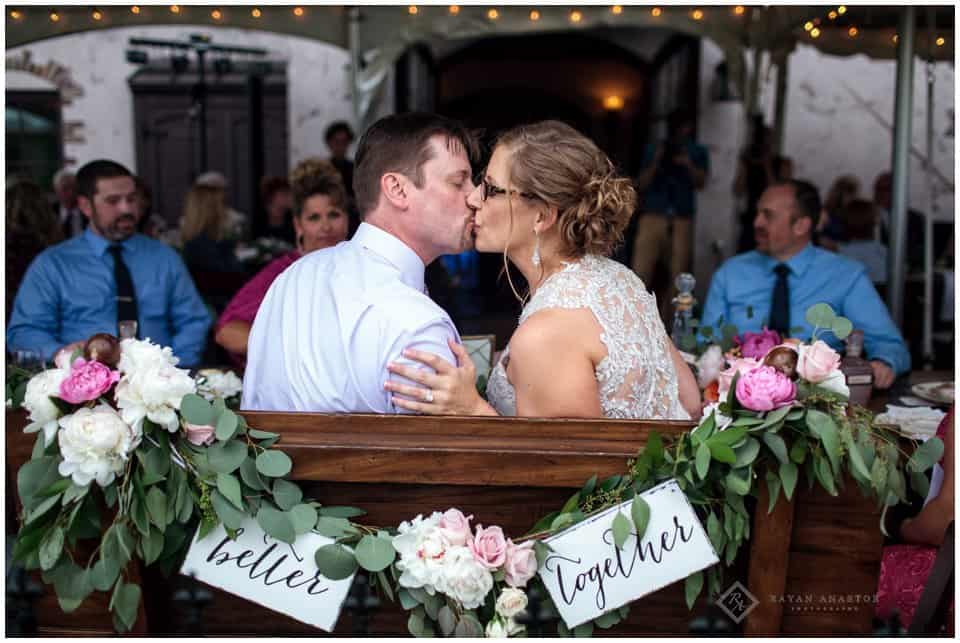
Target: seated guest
{"points": [[831, 228], [151, 224], [32, 227], [338, 138], [859, 218], [71, 218], [108, 274], [786, 275], [203, 232], [321, 221], [278, 201], [904, 568], [237, 225]]}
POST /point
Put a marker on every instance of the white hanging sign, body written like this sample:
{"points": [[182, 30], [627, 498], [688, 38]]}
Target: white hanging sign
{"points": [[272, 573], [587, 575]]}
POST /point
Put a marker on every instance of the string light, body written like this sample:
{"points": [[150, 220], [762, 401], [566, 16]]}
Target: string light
{"points": [[96, 15], [175, 8], [852, 32], [807, 26], [739, 9], [815, 32], [16, 15], [255, 12], [655, 12], [413, 10], [454, 9], [54, 16], [832, 15], [575, 16], [941, 41], [135, 9], [216, 14], [616, 10], [841, 10], [895, 38], [613, 103], [298, 12], [697, 14], [534, 15], [493, 14]]}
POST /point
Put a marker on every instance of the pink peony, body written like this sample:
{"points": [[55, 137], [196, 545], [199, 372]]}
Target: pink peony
{"points": [[764, 389], [455, 527], [521, 564], [87, 381], [756, 345], [817, 361], [489, 547], [738, 365], [200, 434]]}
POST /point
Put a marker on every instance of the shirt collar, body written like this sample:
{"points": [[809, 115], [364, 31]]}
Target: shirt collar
{"points": [[798, 263], [395, 252], [100, 245]]}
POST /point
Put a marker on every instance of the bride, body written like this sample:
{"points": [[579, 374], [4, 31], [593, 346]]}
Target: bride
{"points": [[590, 342]]}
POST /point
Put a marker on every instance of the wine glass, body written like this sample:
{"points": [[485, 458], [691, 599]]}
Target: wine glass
{"points": [[127, 329]]}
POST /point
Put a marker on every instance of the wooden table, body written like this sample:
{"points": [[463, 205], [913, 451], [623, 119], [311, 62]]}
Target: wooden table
{"points": [[818, 550]]}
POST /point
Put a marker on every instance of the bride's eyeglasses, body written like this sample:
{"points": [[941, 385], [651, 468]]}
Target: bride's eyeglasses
{"points": [[488, 189]]}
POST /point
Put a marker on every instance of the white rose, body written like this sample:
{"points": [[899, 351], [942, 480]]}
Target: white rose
{"points": [[514, 628], [141, 354], [512, 601], [836, 382], [710, 365], [464, 578], [496, 630], [422, 552], [215, 383], [95, 444], [36, 399], [154, 393]]}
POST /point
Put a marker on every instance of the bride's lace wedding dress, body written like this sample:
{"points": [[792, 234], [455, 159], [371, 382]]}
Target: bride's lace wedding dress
{"points": [[636, 379]]}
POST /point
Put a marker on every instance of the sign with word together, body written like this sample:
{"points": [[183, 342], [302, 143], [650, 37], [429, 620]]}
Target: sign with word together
{"points": [[275, 574], [587, 575]]}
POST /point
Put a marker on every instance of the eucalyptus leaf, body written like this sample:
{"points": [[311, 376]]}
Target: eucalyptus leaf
{"points": [[703, 460], [773, 490], [715, 532], [51, 547], [157, 507], [920, 483], [336, 562], [34, 476], [273, 463], [860, 470], [789, 475], [621, 530], [226, 457], [332, 527], [926, 455], [738, 481], [226, 511], [104, 573], [729, 437], [447, 620], [584, 630], [820, 315], [157, 462], [151, 546], [776, 444], [825, 475], [841, 327], [607, 620], [823, 426], [125, 603], [250, 476], [721, 452], [375, 554], [277, 524], [407, 601], [746, 453], [262, 435], [304, 517], [640, 512], [286, 494], [798, 451], [230, 488], [226, 425], [341, 512], [691, 588], [197, 410]]}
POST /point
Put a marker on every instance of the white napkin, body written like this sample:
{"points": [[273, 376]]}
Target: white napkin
{"points": [[917, 422]]}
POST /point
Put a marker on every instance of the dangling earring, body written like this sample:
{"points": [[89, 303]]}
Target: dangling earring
{"points": [[536, 249]]}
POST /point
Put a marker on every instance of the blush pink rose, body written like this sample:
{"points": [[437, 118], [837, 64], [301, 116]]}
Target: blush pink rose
{"points": [[200, 434], [765, 388], [455, 527], [756, 345], [521, 564], [817, 361], [87, 381], [489, 546], [738, 365]]}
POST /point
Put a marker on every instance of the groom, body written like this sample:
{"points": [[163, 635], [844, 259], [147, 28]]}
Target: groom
{"points": [[332, 321]]}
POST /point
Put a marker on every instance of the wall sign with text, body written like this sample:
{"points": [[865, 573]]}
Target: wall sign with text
{"points": [[587, 575], [277, 575]]}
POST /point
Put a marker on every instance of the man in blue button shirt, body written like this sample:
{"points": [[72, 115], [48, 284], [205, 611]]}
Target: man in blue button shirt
{"points": [[73, 289], [786, 275]]}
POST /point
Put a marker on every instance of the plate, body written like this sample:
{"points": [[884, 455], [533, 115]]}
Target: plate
{"points": [[939, 392]]}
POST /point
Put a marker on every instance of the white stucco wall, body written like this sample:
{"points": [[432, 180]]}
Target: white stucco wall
{"points": [[317, 77]]}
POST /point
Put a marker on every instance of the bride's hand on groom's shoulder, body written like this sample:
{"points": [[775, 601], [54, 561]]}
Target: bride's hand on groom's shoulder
{"points": [[450, 390]]}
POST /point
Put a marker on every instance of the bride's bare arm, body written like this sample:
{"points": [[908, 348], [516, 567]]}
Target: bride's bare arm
{"points": [[552, 366], [686, 383]]}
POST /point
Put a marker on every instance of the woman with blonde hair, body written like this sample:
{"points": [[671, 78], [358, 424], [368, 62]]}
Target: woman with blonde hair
{"points": [[320, 221], [202, 232], [590, 342]]}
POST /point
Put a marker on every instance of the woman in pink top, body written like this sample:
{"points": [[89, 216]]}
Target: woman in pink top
{"points": [[320, 221]]}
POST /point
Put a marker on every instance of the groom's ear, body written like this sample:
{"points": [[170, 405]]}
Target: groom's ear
{"points": [[395, 189]]}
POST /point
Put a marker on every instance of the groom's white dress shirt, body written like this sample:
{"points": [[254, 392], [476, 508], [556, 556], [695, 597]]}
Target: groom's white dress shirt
{"points": [[331, 322]]}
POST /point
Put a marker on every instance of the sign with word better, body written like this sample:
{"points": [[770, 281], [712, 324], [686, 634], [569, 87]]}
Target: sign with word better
{"points": [[587, 575], [275, 574]]}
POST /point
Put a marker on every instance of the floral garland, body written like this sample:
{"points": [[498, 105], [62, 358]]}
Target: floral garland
{"points": [[170, 463]]}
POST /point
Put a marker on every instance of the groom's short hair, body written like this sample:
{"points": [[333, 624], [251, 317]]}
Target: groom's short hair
{"points": [[401, 143]]}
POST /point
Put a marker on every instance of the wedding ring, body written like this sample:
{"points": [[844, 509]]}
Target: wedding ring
{"points": [[428, 396]]}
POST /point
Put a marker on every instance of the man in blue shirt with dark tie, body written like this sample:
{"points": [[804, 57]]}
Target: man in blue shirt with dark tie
{"points": [[108, 274], [775, 284]]}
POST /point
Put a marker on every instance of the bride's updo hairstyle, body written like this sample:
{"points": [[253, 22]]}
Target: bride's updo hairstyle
{"points": [[563, 168]]}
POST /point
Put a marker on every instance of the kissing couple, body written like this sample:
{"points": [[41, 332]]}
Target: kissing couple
{"points": [[351, 329]]}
